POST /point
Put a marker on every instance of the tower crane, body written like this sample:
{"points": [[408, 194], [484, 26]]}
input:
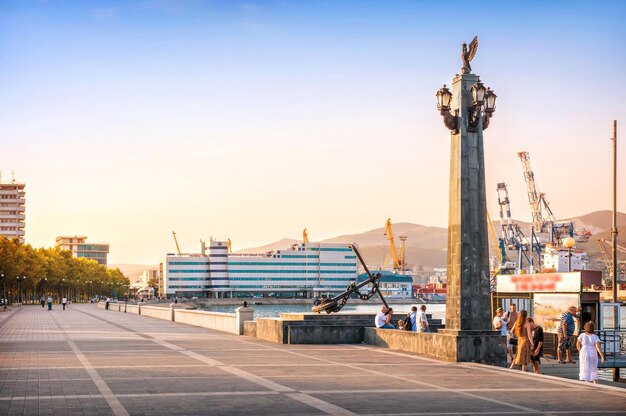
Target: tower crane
{"points": [[176, 241], [392, 245], [543, 217], [536, 199], [305, 236]]}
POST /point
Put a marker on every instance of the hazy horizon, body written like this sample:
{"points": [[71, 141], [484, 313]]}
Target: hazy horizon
{"points": [[253, 120]]}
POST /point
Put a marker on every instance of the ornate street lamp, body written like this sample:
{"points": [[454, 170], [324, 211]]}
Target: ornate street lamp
{"points": [[444, 97], [569, 243], [490, 106], [478, 93]]}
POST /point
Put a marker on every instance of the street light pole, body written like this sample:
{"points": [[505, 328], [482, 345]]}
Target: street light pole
{"points": [[614, 225]]}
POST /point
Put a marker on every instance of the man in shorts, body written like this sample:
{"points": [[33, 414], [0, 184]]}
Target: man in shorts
{"points": [[566, 334]]}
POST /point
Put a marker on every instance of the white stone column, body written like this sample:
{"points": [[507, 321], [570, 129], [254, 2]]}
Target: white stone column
{"points": [[243, 314]]}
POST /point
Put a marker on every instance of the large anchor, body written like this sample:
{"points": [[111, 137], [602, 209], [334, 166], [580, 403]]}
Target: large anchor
{"points": [[335, 304]]}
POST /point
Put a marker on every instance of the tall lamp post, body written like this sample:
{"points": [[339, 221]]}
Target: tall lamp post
{"points": [[20, 279], [467, 108], [569, 243]]}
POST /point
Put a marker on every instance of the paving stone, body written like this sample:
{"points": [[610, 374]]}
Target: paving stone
{"points": [[87, 361]]}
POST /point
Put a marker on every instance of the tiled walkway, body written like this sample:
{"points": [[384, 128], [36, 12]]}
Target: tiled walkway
{"points": [[95, 362]]}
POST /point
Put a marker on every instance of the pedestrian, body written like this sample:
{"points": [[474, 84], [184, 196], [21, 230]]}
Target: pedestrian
{"points": [[43, 301], [106, 303], [522, 331], [422, 320], [64, 302], [565, 333], [536, 350], [49, 303], [588, 345], [383, 318], [411, 325], [499, 323], [511, 340]]}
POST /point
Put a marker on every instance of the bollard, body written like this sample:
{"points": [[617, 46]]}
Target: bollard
{"points": [[243, 314], [173, 312]]}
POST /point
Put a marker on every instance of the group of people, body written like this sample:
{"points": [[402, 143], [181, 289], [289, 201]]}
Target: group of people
{"points": [[525, 340], [415, 321], [43, 301]]}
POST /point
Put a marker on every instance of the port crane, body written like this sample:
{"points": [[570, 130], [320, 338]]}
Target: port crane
{"points": [[544, 220], [176, 241], [392, 246], [608, 262], [305, 236]]}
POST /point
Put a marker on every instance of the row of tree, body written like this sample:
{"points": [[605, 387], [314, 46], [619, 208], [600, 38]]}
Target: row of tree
{"points": [[27, 273]]}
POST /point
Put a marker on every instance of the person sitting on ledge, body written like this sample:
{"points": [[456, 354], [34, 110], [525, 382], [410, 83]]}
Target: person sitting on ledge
{"points": [[383, 318]]}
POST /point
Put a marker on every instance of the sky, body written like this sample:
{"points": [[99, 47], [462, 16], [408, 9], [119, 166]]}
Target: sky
{"points": [[253, 120]]}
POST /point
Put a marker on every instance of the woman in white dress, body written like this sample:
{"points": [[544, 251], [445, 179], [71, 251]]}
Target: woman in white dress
{"points": [[588, 345]]}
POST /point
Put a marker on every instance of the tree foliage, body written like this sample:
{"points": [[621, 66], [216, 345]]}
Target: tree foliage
{"points": [[54, 272]]}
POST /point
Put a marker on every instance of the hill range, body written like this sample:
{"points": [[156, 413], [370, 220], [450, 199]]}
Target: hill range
{"points": [[426, 245]]}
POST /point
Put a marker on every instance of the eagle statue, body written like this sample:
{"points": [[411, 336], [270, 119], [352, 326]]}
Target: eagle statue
{"points": [[468, 54]]}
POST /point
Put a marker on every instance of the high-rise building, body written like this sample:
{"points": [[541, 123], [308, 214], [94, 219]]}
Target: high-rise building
{"points": [[80, 248], [12, 210]]}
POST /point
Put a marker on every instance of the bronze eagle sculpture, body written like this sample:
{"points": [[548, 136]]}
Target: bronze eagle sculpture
{"points": [[468, 54]]}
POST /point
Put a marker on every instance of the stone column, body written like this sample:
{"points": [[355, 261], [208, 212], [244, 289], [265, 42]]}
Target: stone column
{"points": [[243, 314], [468, 295]]}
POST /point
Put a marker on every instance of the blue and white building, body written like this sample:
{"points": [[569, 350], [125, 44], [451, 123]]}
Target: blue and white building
{"points": [[303, 270]]}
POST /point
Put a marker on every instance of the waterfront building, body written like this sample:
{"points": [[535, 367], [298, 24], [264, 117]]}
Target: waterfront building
{"points": [[560, 259], [12, 210], [79, 247], [303, 270], [392, 285]]}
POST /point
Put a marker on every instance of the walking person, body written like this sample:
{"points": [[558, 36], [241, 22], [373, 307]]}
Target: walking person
{"points": [[536, 351], [43, 301], [522, 331], [64, 302], [511, 340], [565, 331], [422, 320], [588, 345], [411, 320], [49, 303]]}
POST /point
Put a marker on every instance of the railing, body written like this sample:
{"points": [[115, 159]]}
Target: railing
{"points": [[613, 345]]}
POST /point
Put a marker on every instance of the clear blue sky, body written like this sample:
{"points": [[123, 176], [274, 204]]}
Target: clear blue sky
{"points": [[253, 120]]}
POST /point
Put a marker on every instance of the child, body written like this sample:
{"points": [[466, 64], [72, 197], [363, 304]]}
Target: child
{"points": [[401, 324]]}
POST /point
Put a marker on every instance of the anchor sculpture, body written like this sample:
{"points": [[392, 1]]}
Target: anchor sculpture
{"points": [[335, 304]]}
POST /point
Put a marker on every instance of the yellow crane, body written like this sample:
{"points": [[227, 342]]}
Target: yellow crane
{"points": [[392, 245], [230, 246], [176, 241], [305, 236]]}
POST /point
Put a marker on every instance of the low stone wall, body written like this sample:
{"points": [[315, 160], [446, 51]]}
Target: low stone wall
{"points": [[249, 328], [157, 312], [130, 309], [485, 347], [226, 322], [312, 328]]}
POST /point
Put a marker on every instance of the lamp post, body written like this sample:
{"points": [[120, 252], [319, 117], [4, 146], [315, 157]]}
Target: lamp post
{"points": [[569, 243], [467, 108], [20, 279], [4, 289]]}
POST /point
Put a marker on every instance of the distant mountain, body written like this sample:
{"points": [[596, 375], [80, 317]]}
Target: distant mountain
{"points": [[132, 271], [427, 245]]}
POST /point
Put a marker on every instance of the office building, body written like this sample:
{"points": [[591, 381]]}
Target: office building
{"points": [[79, 247], [303, 270]]}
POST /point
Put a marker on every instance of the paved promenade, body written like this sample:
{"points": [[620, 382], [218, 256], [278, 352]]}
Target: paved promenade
{"points": [[94, 362]]}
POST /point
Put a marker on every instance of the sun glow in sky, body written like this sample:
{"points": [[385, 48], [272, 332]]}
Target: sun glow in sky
{"points": [[253, 120]]}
